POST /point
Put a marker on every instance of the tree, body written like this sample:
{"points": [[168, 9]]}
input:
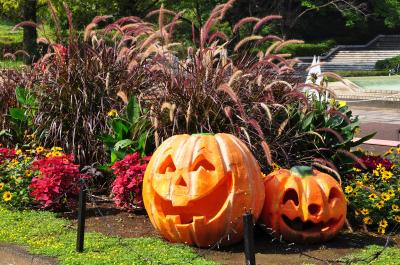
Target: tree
{"points": [[29, 8]]}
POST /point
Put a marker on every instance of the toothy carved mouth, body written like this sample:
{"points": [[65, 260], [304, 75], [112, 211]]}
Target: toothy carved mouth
{"points": [[298, 225], [197, 210]]}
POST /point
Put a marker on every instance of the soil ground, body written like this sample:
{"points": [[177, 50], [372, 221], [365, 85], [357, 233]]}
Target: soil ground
{"points": [[105, 218]]}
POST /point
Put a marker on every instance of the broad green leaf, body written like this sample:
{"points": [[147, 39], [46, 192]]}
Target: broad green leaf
{"points": [[123, 144], [307, 121], [133, 110], [25, 97], [120, 129], [17, 114]]}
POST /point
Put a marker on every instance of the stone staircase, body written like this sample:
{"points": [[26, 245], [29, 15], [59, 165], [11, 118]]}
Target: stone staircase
{"points": [[358, 57]]}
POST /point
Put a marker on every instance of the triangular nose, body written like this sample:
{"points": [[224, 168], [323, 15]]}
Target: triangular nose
{"points": [[181, 182]]}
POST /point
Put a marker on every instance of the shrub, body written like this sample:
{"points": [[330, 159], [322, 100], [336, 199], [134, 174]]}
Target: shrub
{"points": [[80, 81], [363, 73], [388, 64], [309, 49], [56, 185], [127, 186], [374, 192]]}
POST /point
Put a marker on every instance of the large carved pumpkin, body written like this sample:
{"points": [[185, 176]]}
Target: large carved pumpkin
{"points": [[303, 205], [197, 187]]}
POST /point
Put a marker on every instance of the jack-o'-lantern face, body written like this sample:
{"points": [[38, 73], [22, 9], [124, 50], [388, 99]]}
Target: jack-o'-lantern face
{"points": [[303, 205], [197, 187]]}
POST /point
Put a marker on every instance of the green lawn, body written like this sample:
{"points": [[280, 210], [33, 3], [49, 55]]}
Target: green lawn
{"points": [[48, 235]]}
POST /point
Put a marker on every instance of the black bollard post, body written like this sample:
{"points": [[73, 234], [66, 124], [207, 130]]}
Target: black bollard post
{"points": [[249, 239], [81, 219]]}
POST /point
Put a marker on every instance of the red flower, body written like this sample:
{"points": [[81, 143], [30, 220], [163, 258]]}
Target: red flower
{"points": [[371, 162], [127, 186], [57, 184]]}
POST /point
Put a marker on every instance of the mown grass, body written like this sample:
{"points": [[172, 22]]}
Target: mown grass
{"points": [[46, 234]]}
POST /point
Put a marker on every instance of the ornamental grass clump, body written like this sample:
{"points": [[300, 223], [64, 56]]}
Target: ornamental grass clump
{"points": [[127, 186], [257, 97], [374, 192]]}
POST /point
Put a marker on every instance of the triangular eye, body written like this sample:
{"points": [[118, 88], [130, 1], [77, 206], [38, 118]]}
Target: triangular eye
{"points": [[201, 161], [167, 166], [291, 195], [334, 193]]}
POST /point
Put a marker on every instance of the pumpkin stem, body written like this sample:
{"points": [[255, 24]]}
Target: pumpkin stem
{"points": [[302, 171], [203, 134]]}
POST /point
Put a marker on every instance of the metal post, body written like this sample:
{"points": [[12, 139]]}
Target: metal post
{"points": [[249, 239], [81, 219]]}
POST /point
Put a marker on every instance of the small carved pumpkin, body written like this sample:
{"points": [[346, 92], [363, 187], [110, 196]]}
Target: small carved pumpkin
{"points": [[303, 205], [196, 188]]}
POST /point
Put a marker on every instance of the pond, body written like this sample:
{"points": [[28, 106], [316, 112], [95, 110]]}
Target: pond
{"points": [[377, 82]]}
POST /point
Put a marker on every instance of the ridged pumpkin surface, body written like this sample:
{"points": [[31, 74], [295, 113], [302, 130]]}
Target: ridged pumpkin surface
{"points": [[308, 208], [196, 188]]}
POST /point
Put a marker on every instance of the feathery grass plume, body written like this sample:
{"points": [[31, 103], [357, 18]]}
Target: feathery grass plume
{"points": [[56, 20], [265, 20], [267, 152], [282, 126], [333, 132], [244, 21], [329, 170], [246, 40], [353, 157], [23, 24], [9, 55], [285, 43]]}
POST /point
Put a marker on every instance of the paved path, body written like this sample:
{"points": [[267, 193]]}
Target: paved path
{"points": [[377, 114]]}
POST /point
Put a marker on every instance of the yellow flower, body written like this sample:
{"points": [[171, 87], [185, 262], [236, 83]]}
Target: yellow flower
{"points": [[380, 204], [398, 150], [57, 153], [367, 220], [381, 230], [275, 167], [372, 196], [19, 151], [364, 211], [395, 208], [359, 183], [389, 151], [383, 223], [348, 189], [7, 196], [385, 196], [375, 172], [39, 149], [354, 193], [365, 177], [391, 193], [356, 169], [342, 103], [112, 113], [56, 148], [380, 167], [397, 218], [28, 173], [1, 185], [386, 175]]}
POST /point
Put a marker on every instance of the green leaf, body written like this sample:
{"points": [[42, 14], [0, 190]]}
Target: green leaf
{"points": [[133, 110], [307, 121], [25, 97], [123, 144], [363, 139], [117, 155], [120, 129], [17, 114]]}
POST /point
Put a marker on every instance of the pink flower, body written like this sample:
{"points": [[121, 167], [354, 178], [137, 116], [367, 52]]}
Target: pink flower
{"points": [[127, 186]]}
